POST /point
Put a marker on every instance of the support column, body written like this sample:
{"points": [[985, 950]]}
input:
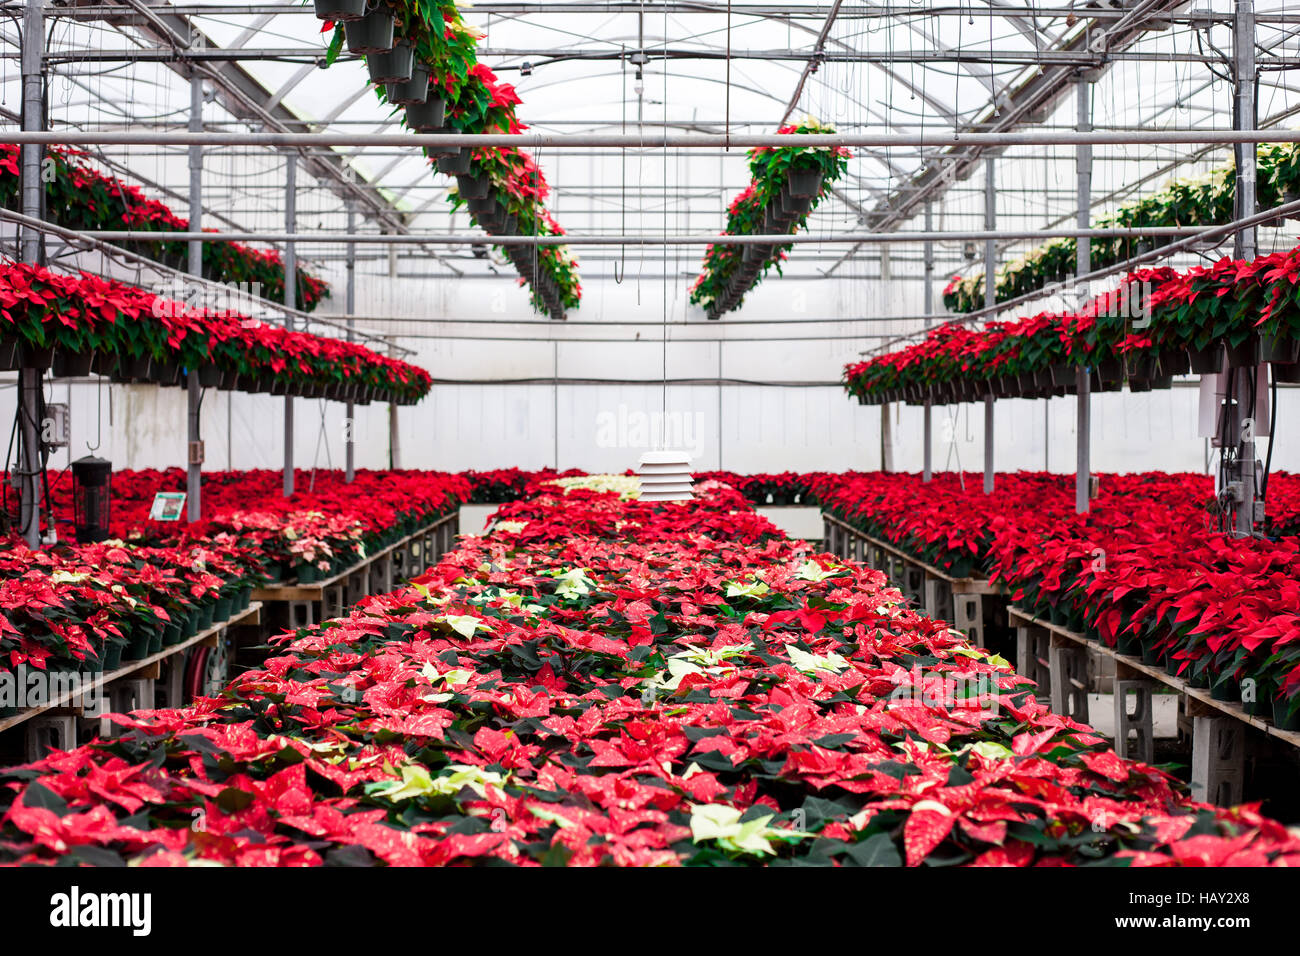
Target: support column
{"points": [[886, 439], [928, 466], [394, 435], [290, 299], [1082, 266], [990, 302], [194, 476], [1245, 244], [349, 436], [33, 192]]}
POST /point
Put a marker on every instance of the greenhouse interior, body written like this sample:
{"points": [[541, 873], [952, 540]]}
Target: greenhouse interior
{"points": [[585, 433]]}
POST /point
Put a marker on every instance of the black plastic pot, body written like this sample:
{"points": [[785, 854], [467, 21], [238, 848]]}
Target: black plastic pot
{"points": [[36, 358], [1207, 361], [395, 66], [9, 355], [71, 364], [413, 92], [209, 376], [1289, 374], [1278, 350], [1244, 355], [340, 11], [1281, 719], [456, 164], [373, 33], [229, 381], [427, 115], [167, 373], [804, 183], [1174, 362], [473, 187]]}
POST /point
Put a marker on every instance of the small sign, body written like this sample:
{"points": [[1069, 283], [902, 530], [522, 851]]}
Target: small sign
{"points": [[167, 506]]}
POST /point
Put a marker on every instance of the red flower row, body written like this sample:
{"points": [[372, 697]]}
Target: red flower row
{"points": [[614, 682], [125, 326]]}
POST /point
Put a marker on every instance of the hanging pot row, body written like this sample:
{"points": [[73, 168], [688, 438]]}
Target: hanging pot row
{"points": [[782, 212]]}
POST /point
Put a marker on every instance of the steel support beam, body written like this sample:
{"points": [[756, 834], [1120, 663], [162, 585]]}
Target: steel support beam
{"points": [[194, 397], [927, 472], [349, 438], [1082, 267], [33, 196], [1245, 245], [290, 299], [990, 301]]}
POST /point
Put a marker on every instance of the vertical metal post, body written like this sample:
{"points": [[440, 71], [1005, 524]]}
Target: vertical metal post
{"points": [[394, 439], [1082, 266], [886, 439], [349, 437], [927, 472], [33, 189], [1245, 243], [990, 301], [290, 299], [394, 436], [194, 475]]}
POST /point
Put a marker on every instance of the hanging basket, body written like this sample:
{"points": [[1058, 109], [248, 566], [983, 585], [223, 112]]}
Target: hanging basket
{"points": [[340, 11], [36, 358], [1245, 354], [1206, 361], [1279, 350], [395, 66], [209, 376], [413, 92], [473, 187], [373, 33], [456, 164], [804, 183], [71, 364], [427, 115], [10, 355]]}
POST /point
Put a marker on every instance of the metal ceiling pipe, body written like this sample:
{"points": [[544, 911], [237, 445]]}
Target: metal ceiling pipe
{"points": [[651, 140], [676, 239]]}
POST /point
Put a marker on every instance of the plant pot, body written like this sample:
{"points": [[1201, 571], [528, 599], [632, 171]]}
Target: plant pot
{"points": [[112, 656], [205, 614], [1279, 350], [1225, 689], [71, 364], [1130, 645], [1206, 361], [1173, 362], [373, 33], [221, 609], [473, 187], [1289, 374], [427, 115], [137, 648], [340, 11], [804, 183], [31, 357], [209, 376], [456, 164], [172, 634], [1281, 718], [395, 66], [307, 573], [414, 90], [10, 355], [166, 373], [1245, 354], [189, 625], [1151, 656], [245, 599]]}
